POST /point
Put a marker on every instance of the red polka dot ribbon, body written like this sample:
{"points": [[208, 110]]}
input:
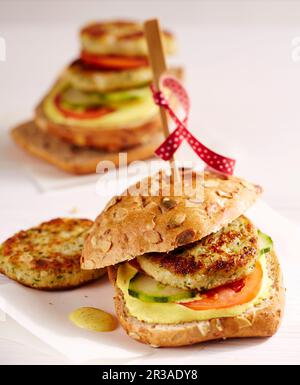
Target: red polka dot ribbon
{"points": [[166, 150]]}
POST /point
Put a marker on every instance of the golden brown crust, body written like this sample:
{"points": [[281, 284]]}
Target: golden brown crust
{"points": [[47, 257], [111, 140], [120, 37], [222, 257], [120, 29], [262, 321], [134, 225], [89, 78], [70, 158], [58, 287]]}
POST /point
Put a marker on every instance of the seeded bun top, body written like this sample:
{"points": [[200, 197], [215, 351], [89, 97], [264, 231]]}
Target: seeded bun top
{"points": [[131, 225]]}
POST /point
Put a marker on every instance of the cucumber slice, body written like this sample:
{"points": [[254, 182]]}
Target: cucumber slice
{"points": [[79, 98], [147, 289], [127, 95], [265, 243], [76, 97]]}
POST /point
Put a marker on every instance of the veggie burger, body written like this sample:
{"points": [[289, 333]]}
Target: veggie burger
{"points": [[103, 100], [187, 270]]}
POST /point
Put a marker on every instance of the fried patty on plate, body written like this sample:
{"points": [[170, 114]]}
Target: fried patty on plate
{"points": [[48, 256]]}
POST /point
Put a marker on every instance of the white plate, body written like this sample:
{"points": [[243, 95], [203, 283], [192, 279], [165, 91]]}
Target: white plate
{"points": [[45, 314]]}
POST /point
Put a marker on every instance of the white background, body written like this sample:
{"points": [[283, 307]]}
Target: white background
{"points": [[240, 73]]}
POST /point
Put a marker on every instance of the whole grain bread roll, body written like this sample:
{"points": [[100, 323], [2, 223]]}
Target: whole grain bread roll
{"points": [[131, 226], [262, 320], [70, 158]]}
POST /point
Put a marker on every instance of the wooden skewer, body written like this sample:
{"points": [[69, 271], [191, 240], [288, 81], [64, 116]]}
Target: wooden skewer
{"points": [[158, 65]]}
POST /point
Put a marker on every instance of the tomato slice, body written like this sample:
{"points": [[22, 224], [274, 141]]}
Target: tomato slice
{"points": [[88, 113], [234, 294], [114, 61], [134, 263]]}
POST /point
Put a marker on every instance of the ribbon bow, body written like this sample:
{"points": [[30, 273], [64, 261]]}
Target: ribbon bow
{"points": [[166, 150]]}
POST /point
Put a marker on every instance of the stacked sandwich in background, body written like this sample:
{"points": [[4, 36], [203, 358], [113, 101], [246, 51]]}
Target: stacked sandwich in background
{"points": [[101, 104]]}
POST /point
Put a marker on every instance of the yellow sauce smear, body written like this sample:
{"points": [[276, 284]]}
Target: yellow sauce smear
{"points": [[93, 319]]}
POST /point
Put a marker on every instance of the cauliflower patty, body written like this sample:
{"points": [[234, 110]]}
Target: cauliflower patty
{"points": [[48, 256], [219, 258], [86, 77]]}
